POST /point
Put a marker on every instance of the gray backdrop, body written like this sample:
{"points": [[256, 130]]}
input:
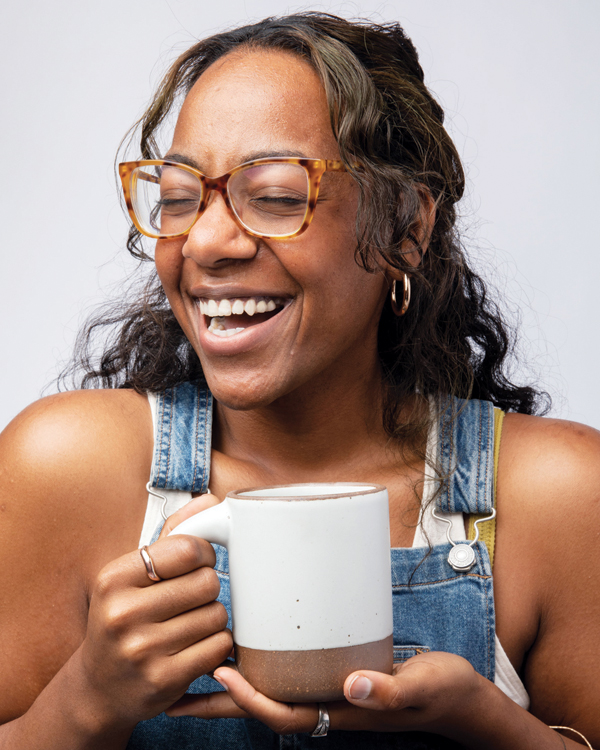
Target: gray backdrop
{"points": [[518, 80]]}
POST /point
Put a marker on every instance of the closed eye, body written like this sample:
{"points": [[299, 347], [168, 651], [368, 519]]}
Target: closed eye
{"points": [[174, 206]]}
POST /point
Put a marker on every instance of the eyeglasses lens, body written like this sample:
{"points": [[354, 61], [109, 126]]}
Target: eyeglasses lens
{"points": [[268, 199], [165, 199]]}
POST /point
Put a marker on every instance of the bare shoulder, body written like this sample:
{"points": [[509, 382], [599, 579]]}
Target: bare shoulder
{"points": [[72, 473], [552, 464], [74, 457], [548, 497], [547, 568], [63, 425]]}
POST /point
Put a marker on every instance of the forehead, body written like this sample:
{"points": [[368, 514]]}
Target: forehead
{"points": [[254, 102]]}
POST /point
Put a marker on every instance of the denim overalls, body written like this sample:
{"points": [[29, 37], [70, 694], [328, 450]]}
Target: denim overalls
{"points": [[435, 607]]}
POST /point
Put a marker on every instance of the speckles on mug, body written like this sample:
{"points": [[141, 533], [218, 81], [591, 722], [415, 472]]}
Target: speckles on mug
{"points": [[311, 675]]}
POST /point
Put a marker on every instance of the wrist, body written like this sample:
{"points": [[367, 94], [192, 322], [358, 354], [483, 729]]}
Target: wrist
{"points": [[470, 712], [66, 715], [91, 712], [484, 718], [490, 720]]}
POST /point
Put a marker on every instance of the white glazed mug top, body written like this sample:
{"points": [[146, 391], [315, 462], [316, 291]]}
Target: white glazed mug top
{"points": [[309, 564], [306, 491]]}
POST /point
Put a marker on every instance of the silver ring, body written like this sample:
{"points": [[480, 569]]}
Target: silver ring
{"points": [[149, 563], [323, 723]]}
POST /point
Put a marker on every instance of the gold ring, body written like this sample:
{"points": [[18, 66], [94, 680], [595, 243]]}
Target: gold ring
{"points": [[152, 575]]}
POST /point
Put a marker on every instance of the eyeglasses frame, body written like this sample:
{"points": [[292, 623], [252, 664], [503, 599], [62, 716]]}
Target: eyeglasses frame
{"points": [[315, 169]]}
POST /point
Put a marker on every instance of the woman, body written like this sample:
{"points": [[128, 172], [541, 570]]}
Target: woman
{"points": [[335, 333]]}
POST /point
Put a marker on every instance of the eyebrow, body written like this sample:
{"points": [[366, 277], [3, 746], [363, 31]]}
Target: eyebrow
{"points": [[182, 159]]}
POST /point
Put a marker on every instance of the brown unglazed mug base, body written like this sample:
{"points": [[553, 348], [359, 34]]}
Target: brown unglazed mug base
{"points": [[314, 675]]}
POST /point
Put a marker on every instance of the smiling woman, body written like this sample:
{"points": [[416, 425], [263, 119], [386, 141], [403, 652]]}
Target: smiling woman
{"points": [[312, 319]]}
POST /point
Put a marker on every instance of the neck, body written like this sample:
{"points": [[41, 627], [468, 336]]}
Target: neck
{"points": [[326, 430]]}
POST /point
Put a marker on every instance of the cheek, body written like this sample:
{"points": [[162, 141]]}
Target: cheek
{"points": [[339, 295], [169, 267], [168, 260]]}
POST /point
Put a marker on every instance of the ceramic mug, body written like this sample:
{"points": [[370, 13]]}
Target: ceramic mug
{"points": [[310, 579]]}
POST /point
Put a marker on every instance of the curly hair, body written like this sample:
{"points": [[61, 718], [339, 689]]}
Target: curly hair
{"points": [[390, 130]]}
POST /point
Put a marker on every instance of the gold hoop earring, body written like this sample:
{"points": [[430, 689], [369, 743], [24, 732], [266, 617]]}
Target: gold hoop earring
{"points": [[405, 297]]}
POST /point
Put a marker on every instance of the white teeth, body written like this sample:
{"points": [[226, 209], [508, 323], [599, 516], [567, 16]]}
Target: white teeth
{"points": [[216, 326], [225, 333], [218, 309], [224, 307]]}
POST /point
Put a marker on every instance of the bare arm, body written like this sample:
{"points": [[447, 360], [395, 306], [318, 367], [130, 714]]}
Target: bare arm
{"points": [[72, 497], [550, 487]]}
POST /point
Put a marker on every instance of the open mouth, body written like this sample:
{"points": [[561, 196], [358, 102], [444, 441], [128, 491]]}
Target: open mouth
{"points": [[229, 317]]}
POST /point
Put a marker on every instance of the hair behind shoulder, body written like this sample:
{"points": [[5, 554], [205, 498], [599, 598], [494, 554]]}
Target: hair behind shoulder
{"points": [[390, 130]]}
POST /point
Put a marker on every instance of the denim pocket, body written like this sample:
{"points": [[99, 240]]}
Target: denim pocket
{"points": [[402, 653]]}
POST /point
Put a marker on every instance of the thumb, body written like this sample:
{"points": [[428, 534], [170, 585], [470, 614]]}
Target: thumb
{"points": [[380, 692], [196, 505]]}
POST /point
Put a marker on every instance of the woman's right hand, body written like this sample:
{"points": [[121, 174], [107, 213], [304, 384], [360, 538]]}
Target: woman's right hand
{"points": [[147, 641]]}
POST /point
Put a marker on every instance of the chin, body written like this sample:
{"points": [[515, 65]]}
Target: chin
{"points": [[243, 396]]}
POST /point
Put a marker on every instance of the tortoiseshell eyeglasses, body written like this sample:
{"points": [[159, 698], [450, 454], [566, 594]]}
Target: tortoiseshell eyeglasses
{"points": [[271, 198]]}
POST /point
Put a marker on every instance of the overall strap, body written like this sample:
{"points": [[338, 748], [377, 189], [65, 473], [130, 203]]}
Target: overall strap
{"points": [[466, 456], [487, 529], [183, 431]]}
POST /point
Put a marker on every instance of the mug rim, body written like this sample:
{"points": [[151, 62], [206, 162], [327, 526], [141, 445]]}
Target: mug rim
{"points": [[370, 488]]}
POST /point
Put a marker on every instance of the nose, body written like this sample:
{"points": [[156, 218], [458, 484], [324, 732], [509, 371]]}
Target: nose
{"points": [[216, 237]]}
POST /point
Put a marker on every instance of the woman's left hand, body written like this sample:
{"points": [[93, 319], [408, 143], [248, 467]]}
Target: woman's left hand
{"points": [[436, 692]]}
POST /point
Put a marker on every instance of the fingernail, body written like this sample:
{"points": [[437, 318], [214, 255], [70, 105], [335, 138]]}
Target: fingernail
{"points": [[360, 688], [220, 680]]}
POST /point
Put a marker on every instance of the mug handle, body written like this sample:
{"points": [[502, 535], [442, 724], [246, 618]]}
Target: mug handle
{"points": [[212, 524]]}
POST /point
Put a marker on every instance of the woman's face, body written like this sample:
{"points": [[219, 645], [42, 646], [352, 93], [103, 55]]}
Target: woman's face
{"points": [[249, 105]]}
